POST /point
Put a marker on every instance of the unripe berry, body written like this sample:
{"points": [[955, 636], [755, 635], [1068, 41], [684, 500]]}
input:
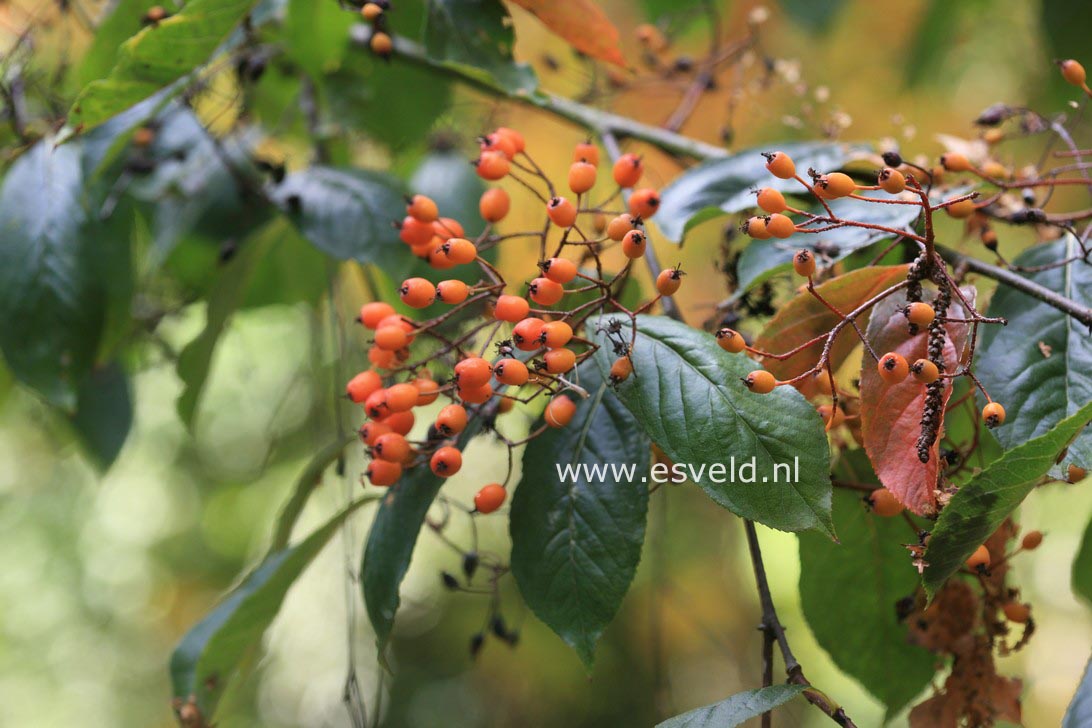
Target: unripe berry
{"points": [[780, 226], [619, 226], [453, 291], [993, 414], [382, 473], [559, 270], [559, 412], [372, 313], [546, 292], [620, 369], [644, 203], [492, 166], [955, 162], [803, 262], [512, 372], [771, 200], [560, 360], [451, 420], [422, 208], [472, 372], [586, 152], [446, 461], [925, 371], [490, 498], [780, 165], [628, 170], [730, 340], [527, 334], [1031, 541], [920, 313], [893, 367], [760, 381], [556, 334], [1072, 72], [979, 560], [494, 204], [561, 212], [884, 503], [668, 282], [417, 292], [755, 227], [581, 177], [634, 244], [511, 308], [891, 180]]}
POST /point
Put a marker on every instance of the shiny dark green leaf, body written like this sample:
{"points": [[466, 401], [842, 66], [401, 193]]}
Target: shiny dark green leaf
{"points": [[476, 37], [104, 412], [576, 542]]}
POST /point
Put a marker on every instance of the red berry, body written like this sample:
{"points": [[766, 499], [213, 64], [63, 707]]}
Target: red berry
{"points": [[362, 385], [512, 372], [490, 498], [472, 372], [392, 447], [476, 395], [402, 397], [383, 473], [527, 334], [451, 420], [400, 422], [446, 461]]}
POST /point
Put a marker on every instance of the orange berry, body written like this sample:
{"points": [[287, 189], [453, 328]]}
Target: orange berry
{"points": [[994, 415], [381, 44], [451, 420], [556, 334], [760, 381], [511, 308], [447, 228], [1075, 473], [920, 313], [893, 367], [371, 11], [427, 391], [832, 417], [492, 165], [473, 372], [771, 200], [669, 281], [559, 361], [490, 498], [476, 395], [498, 143], [559, 412], [375, 406], [494, 204], [884, 503], [561, 212], [514, 136], [437, 258], [581, 177], [925, 371], [391, 338], [1031, 541], [835, 185], [644, 203], [453, 291], [371, 431], [960, 210], [362, 385], [505, 405], [400, 422], [422, 208], [527, 334], [414, 232], [396, 320], [730, 340], [979, 560], [891, 180], [446, 461], [621, 369], [780, 165], [803, 262], [586, 152], [780, 226], [383, 473], [372, 313], [512, 372], [402, 397], [755, 227], [628, 170], [546, 292], [417, 292], [619, 226], [1072, 72], [392, 447], [460, 251], [381, 358], [560, 270], [955, 162], [1016, 612], [599, 222], [634, 244]]}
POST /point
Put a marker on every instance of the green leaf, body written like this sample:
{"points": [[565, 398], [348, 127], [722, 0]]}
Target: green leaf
{"points": [[104, 412], [476, 37], [309, 479], [1039, 391], [763, 259], [816, 16], [157, 56], [737, 709], [58, 271], [687, 396], [207, 658], [393, 537], [724, 185], [576, 543], [124, 20], [316, 34], [348, 214], [1082, 566], [1079, 713], [227, 294], [980, 506], [849, 590]]}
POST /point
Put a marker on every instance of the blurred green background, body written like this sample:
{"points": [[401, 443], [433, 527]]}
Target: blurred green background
{"points": [[102, 572]]}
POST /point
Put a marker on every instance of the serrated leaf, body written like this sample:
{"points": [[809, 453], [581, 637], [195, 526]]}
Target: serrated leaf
{"points": [[804, 317], [737, 709], [582, 24], [1041, 361], [393, 537], [1082, 566], [157, 56], [1079, 714], [891, 413], [849, 590], [58, 269], [722, 186], [763, 259], [475, 36], [576, 542], [980, 506], [686, 394], [207, 659], [104, 412]]}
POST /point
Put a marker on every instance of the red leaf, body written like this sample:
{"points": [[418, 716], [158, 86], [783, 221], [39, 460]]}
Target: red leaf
{"points": [[582, 24], [891, 414], [804, 317]]}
